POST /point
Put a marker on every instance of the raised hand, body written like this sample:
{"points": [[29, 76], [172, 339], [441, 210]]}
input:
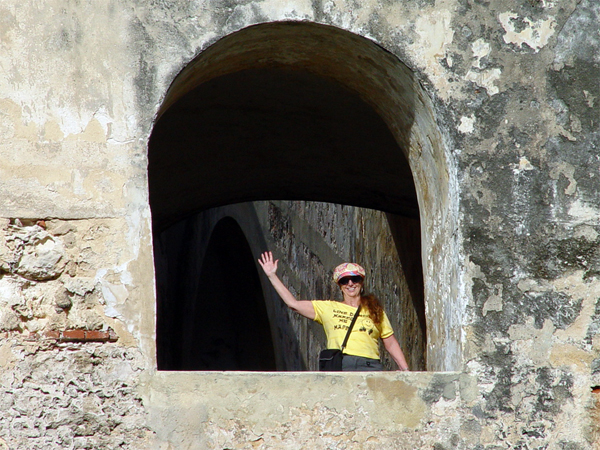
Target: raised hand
{"points": [[267, 263]]}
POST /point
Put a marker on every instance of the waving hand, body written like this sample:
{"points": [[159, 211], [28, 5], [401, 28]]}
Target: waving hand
{"points": [[269, 265]]}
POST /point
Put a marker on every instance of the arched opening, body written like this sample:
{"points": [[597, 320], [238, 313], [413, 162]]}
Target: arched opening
{"points": [[220, 321], [275, 133], [299, 111]]}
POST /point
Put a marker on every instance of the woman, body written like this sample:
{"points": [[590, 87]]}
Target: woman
{"points": [[362, 350]]}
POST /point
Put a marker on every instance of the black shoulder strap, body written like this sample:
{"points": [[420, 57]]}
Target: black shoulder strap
{"points": [[350, 328]]}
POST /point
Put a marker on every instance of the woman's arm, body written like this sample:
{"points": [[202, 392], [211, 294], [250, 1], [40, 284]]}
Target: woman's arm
{"points": [[303, 307], [393, 348]]}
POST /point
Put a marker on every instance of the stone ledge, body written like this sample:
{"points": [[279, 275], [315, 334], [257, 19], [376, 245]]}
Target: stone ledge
{"points": [[392, 409]]}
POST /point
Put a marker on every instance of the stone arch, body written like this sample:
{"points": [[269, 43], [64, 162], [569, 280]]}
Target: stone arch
{"points": [[322, 59]]}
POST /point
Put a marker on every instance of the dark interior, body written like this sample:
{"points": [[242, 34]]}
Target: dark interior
{"points": [[274, 134], [225, 327], [262, 134]]}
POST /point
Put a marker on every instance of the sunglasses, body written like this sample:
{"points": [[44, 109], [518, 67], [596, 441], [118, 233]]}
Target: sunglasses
{"points": [[355, 279]]}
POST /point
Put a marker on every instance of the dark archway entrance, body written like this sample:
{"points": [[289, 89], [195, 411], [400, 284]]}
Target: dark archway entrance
{"points": [[244, 123], [220, 322]]}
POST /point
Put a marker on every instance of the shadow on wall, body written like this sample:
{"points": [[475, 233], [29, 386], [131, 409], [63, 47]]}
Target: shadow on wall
{"points": [[213, 319], [407, 238]]}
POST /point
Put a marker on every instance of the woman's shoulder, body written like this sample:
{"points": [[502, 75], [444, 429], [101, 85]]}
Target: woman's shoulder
{"points": [[333, 304], [327, 303]]}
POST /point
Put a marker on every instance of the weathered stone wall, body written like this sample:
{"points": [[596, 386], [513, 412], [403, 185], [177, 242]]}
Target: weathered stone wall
{"points": [[65, 382], [513, 88], [311, 239], [531, 216], [70, 395], [61, 275]]}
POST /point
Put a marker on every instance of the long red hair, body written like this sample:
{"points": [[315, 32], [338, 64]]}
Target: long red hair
{"points": [[375, 309]]}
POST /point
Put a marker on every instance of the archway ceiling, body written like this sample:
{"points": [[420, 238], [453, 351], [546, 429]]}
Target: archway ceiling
{"points": [[274, 133]]}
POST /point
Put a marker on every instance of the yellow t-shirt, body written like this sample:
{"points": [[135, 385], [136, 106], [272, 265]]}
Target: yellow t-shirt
{"points": [[364, 338]]}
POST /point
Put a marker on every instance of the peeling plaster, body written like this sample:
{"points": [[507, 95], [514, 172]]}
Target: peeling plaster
{"points": [[587, 232], [285, 10], [589, 98], [563, 168], [571, 355], [494, 302], [586, 291], [486, 79], [531, 343], [524, 165], [582, 213], [467, 124], [536, 35], [481, 49], [435, 36]]}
